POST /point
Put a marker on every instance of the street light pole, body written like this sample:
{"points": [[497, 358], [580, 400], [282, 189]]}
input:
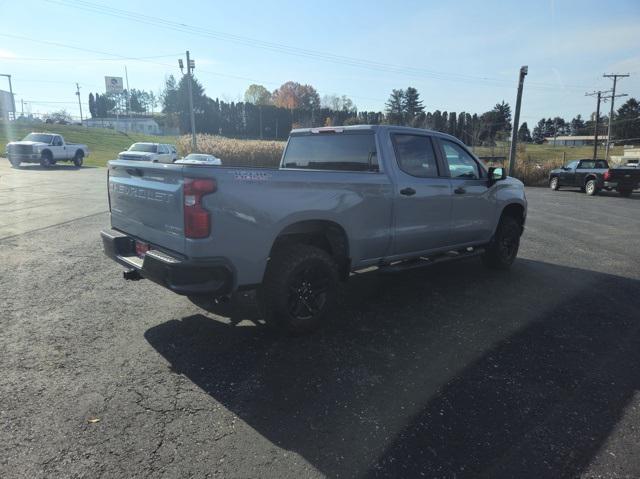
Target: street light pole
{"points": [[516, 119]]}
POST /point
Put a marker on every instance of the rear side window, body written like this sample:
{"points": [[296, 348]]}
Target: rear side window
{"points": [[332, 151], [587, 165], [415, 155]]}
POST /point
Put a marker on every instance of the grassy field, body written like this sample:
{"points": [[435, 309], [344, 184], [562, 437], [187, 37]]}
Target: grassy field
{"points": [[233, 152], [533, 161], [104, 144]]}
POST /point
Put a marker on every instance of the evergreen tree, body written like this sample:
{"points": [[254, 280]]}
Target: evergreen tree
{"points": [[502, 121], [92, 105], [524, 135], [411, 105], [626, 124], [540, 131], [395, 107], [577, 126]]}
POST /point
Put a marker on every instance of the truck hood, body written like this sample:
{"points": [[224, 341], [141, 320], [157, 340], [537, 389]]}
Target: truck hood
{"points": [[27, 143]]}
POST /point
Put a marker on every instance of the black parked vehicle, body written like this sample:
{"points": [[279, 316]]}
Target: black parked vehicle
{"points": [[594, 175]]}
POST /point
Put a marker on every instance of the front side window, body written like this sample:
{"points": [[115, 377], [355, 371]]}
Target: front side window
{"points": [[415, 155], [332, 151], [572, 165], [461, 163]]}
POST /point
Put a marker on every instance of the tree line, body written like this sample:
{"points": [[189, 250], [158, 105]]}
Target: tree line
{"points": [[272, 114]]}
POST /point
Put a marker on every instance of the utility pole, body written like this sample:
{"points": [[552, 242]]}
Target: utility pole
{"points": [[615, 77], [597, 120], [22, 104], [126, 76], [191, 64], [516, 119], [79, 101]]}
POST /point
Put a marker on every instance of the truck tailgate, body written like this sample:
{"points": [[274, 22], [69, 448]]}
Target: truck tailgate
{"points": [[625, 176], [146, 202]]}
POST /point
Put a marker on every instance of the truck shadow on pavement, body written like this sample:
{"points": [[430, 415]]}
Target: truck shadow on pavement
{"points": [[447, 372], [605, 193], [56, 167]]}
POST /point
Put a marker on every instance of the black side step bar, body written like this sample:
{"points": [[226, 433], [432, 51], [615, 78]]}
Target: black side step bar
{"points": [[424, 262]]}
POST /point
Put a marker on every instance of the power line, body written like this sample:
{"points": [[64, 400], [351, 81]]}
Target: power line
{"points": [[290, 50], [12, 58]]}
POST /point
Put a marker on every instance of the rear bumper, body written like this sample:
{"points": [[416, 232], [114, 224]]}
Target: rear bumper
{"points": [[621, 185], [203, 276]]}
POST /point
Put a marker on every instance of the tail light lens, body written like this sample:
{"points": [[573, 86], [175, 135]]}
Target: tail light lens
{"points": [[607, 175], [197, 221]]}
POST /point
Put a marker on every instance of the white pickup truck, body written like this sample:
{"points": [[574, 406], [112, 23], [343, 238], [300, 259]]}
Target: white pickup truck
{"points": [[46, 149]]}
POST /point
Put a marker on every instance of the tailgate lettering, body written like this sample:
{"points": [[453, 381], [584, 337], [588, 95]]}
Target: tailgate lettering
{"points": [[140, 193]]}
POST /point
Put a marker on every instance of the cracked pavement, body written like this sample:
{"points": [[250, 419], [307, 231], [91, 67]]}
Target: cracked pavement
{"points": [[454, 371]]}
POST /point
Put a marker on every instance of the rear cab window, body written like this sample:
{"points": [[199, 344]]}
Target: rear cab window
{"points": [[345, 151], [415, 155]]}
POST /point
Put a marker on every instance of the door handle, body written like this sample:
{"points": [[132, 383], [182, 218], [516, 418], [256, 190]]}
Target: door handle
{"points": [[407, 191], [459, 190]]}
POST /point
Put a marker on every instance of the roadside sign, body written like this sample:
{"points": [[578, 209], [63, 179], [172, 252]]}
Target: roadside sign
{"points": [[113, 84]]}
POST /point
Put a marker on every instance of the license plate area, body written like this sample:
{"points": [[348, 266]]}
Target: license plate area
{"points": [[142, 248]]}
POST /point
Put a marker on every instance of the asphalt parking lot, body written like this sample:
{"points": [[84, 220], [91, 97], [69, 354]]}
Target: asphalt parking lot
{"points": [[454, 371]]}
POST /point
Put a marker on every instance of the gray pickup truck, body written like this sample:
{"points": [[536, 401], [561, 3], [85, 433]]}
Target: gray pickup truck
{"points": [[343, 199]]}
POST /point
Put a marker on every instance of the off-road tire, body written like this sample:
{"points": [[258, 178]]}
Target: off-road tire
{"points": [[554, 183], [300, 288], [503, 249]]}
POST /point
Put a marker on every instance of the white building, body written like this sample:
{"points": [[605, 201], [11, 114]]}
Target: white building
{"points": [[573, 140], [630, 152], [125, 124]]}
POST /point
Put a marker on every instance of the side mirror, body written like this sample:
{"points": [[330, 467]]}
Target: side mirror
{"points": [[496, 174]]}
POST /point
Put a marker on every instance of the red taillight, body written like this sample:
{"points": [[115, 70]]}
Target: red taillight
{"points": [[607, 175], [197, 222]]}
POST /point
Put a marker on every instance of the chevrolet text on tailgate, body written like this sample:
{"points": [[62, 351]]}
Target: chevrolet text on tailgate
{"points": [[342, 200]]}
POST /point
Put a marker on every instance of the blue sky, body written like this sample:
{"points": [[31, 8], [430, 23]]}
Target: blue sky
{"points": [[460, 55]]}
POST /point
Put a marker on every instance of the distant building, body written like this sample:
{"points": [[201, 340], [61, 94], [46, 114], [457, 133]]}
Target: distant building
{"points": [[126, 125], [630, 152], [573, 140]]}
